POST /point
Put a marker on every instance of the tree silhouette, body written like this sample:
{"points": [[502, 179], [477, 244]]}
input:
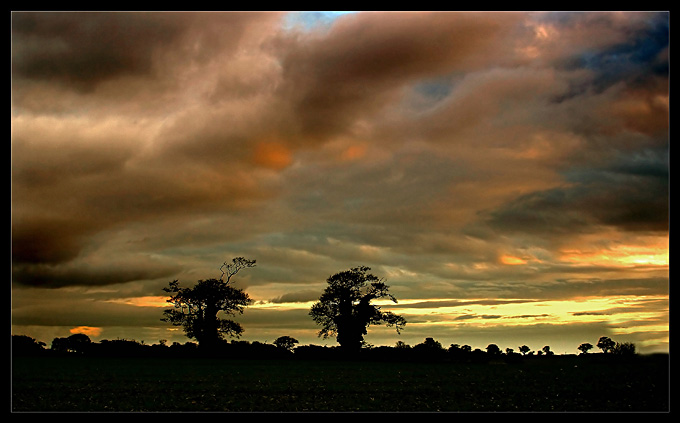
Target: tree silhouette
{"points": [[401, 345], [524, 349], [285, 342], [492, 349], [585, 347], [76, 343], [606, 344], [196, 309], [345, 310], [25, 345], [430, 345]]}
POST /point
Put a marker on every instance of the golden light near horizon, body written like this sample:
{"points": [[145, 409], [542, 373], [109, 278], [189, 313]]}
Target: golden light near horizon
{"points": [[621, 255], [519, 312], [146, 301]]}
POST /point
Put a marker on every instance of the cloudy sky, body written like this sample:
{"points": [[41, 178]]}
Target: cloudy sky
{"points": [[506, 173]]}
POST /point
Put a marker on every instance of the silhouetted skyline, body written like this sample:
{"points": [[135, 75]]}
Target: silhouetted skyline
{"points": [[505, 173]]}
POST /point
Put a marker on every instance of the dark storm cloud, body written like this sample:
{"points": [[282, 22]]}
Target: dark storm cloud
{"points": [[48, 240], [364, 60], [75, 175], [630, 193], [82, 49], [78, 274], [635, 60], [70, 312]]}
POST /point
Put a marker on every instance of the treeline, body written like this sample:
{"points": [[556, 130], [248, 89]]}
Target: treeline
{"points": [[286, 347]]}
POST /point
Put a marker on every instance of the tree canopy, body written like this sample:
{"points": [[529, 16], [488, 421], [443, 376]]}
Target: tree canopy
{"points": [[344, 309], [605, 344]]}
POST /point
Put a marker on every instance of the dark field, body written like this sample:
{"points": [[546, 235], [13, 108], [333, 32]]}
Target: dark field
{"points": [[560, 383]]}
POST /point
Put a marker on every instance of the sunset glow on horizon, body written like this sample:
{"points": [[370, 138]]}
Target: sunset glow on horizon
{"points": [[506, 173]]}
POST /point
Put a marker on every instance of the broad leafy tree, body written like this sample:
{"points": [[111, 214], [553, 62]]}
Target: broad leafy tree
{"points": [[286, 342], [585, 347], [344, 309], [196, 309], [492, 349], [606, 344], [76, 343]]}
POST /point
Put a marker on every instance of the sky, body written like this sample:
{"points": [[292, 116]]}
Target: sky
{"points": [[506, 173]]}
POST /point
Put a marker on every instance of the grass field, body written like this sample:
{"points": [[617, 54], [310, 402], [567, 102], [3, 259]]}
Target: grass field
{"points": [[138, 384]]}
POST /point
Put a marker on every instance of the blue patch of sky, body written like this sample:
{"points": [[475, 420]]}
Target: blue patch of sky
{"points": [[311, 20], [632, 61], [435, 89], [638, 55], [432, 91]]}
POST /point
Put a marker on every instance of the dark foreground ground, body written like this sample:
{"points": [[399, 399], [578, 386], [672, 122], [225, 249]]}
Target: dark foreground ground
{"points": [[560, 383]]}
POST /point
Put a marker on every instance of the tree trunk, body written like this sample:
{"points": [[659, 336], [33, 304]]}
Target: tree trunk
{"points": [[209, 336]]}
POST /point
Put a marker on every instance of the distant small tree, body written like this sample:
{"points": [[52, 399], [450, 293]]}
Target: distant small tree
{"points": [[430, 349], [401, 345], [585, 347], [76, 343], [524, 349], [286, 342], [547, 351], [606, 344], [430, 344], [492, 349], [455, 350]]}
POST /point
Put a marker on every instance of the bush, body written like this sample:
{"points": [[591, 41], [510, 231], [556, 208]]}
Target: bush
{"points": [[625, 348]]}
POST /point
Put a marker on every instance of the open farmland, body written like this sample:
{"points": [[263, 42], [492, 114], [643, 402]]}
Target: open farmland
{"points": [[559, 383]]}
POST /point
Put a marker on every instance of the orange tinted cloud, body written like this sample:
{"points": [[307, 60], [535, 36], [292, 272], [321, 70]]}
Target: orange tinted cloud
{"points": [[272, 155], [86, 330], [354, 152], [512, 260], [624, 255]]}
